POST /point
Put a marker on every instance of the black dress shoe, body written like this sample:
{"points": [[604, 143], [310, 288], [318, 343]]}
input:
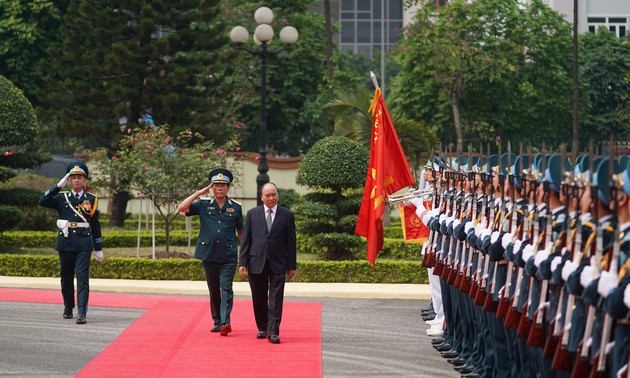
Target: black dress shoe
{"points": [[450, 354], [470, 375], [81, 318], [274, 339], [438, 341], [427, 318], [67, 313], [443, 347], [465, 369], [215, 328], [261, 335], [458, 361]]}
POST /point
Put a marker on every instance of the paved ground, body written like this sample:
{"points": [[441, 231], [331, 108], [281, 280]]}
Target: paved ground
{"points": [[361, 337]]}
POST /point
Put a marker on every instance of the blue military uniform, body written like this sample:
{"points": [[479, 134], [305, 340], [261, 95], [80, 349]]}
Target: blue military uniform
{"points": [[79, 235]]}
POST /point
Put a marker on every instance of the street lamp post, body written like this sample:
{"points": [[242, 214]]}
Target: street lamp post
{"points": [[262, 37]]}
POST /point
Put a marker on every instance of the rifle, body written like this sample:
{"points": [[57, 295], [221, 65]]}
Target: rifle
{"points": [[425, 257], [482, 292], [481, 219], [513, 316], [583, 365], [536, 337], [504, 299], [551, 344], [439, 266], [562, 356], [525, 323], [490, 305], [479, 283], [599, 368], [465, 284]]}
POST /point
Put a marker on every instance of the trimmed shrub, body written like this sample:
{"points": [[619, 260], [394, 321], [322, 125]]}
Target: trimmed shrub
{"points": [[192, 270]]}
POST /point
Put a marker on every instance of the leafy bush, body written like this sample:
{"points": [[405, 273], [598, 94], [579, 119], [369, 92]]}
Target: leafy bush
{"points": [[10, 217], [192, 270], [19, 197]]}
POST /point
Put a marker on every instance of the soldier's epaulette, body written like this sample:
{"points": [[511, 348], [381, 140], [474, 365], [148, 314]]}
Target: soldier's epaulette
{"points": [[236, 202], [589, 224], [609, 228], [206, 198], [64, 192], [92, 194]]}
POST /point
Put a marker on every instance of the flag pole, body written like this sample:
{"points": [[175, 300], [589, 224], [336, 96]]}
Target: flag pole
{"points": [[374, 80]]}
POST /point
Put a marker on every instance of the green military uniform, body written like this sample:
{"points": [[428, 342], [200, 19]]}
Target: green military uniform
{"points": [[217, 247]]}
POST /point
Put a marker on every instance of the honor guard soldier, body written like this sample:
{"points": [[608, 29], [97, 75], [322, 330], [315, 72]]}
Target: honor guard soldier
{"points": [[79, 235], [221, 223]]}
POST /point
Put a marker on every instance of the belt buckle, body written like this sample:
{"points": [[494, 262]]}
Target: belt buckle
{"points": [[72, 225]]}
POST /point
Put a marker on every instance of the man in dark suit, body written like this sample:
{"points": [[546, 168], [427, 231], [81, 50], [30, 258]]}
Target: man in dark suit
{"points": [[79, 235], [268, 252]]}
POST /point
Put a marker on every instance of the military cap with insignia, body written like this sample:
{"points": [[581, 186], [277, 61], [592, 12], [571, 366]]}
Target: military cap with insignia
{"points": [[553, 171], [601, 178], [77, 168], [220, 175]]}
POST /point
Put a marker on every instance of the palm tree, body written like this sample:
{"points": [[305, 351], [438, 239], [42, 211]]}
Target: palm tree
{"points": [[352, 120]]}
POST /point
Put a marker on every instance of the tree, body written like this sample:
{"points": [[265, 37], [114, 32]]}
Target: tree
{"points": [[604, 60], [27, 28], [18, 131], [487, 66], [334, 166], [352, 120], [123, 64], [162, 168]]}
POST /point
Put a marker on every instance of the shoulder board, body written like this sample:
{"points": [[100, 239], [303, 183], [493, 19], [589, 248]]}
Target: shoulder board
{"points": [[589, 224], [609, 228], [206, 198], [64, 192], [236, 202], [92, 194]]}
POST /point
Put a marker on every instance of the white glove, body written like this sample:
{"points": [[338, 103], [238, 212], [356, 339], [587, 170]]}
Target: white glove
{"points": [[555, 262], [541, 256], [588, 275], [485, 233], [479, 229], [63, 181], [507, 239], [517, 245], [442, 218], [425, 248], [607, 282], [426, 219], [528, 252], [99, 256], [469, 226], [494, 237], [568, 268], [456, 222], [417, 202], [626, 296]]}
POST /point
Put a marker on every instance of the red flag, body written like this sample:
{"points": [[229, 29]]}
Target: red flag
{"points": [[388, 172]]}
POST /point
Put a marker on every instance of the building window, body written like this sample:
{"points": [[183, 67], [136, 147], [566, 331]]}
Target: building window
{"points": [[617, 25], [363, 23]]}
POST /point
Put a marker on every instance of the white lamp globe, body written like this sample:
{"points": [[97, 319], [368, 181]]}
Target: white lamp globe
{"points": [[263, 15], [264, 33], [289, 35], [239, 34]]}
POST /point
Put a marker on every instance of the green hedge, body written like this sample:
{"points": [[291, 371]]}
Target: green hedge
{"points": [[393, 248], [192, 270]]}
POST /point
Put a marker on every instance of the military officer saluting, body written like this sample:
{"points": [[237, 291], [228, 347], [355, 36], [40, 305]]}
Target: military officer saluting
{"points": [[221, 223], [79, 235]]}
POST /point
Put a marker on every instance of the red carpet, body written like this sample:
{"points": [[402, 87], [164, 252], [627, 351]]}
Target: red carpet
{"points": [[173, 339]]}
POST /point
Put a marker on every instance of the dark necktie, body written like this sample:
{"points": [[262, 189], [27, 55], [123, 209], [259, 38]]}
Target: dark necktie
{"points": [[269, 220], [76, 195]]}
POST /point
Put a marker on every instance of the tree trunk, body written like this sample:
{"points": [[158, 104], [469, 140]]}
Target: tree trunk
{"points": [[119, 208], [457, 123]]}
